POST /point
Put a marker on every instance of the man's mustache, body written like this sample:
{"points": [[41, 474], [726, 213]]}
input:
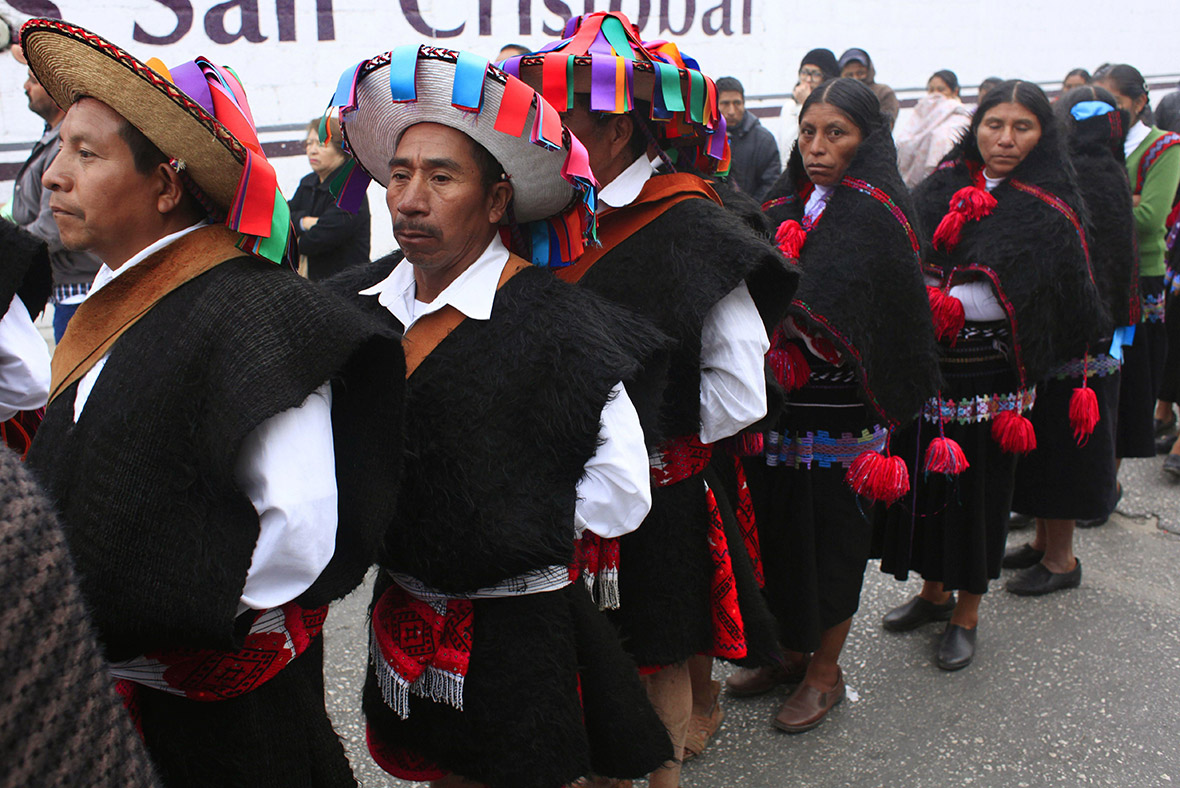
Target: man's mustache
{"points": [[416, 227]]}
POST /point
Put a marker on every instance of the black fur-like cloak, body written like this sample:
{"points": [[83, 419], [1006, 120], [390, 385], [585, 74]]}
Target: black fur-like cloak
{"points": [[26, 269], [1030, 252], [673, 271], [501, 419], [1096, 148], [862, 285]]}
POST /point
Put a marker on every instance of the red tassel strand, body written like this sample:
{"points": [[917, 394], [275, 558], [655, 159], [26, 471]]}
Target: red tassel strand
{"points": [[1014, 432], [1083, 413], [878, 477], [973, 202], [949, 231], [790, 237], [947, 313], [790, 366], [946, 456]]}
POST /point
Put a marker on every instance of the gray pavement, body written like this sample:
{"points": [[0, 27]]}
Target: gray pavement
{"points": [[1080, 688]]}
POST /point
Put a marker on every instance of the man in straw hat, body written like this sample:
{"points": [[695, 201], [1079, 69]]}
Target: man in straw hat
{"points": [[205, 468], [489, 663], [686, 583]]}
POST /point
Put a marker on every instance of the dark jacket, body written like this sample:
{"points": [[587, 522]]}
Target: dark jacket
{"points": [[754, 156], [339, 239]]}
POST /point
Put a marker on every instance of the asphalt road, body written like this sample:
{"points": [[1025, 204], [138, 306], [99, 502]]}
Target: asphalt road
{"points": [[1080, 688]]}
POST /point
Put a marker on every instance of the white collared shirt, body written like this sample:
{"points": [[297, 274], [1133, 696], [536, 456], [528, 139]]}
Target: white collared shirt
{"points": [[1135, 136], [614, 493], [287, 467], [733, 339], [24, 362]]}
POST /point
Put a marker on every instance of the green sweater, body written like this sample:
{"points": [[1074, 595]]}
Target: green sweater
{"points": [[1155, 202]]}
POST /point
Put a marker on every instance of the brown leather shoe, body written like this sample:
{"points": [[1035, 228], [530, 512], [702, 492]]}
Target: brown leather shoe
{"points": [[807, 706], [747, 682]]}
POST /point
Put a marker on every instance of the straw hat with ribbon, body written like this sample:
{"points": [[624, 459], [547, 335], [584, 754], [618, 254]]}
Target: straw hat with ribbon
{"points": [[554, 191], [195, 113], [602, 55]]}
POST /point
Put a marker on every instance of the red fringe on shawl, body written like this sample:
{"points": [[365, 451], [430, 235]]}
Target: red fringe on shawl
{"points": [[1083, 413], [790, 237], [946, 456], [947, 313]]}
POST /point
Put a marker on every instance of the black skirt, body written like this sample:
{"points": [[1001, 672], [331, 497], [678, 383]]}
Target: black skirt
{"points": [[1170, 378], [1143, 366], [274, 736], [813, 530], [1059, 479], [952, 529]]}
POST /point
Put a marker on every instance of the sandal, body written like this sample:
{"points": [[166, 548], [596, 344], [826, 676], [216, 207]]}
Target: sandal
{"points": [[702, 727]]}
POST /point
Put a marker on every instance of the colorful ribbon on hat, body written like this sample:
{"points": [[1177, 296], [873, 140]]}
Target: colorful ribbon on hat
{"points": [[258, 211], [683, 100], [553, 242]]}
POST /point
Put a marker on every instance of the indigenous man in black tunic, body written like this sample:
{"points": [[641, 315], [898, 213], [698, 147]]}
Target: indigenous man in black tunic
{"points": [[489, 664], [207, 411], [672, 253]]}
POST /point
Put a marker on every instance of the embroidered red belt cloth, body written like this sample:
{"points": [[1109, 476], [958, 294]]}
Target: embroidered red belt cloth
{"points": [[420, 642], [276, 637], [679, 459]]}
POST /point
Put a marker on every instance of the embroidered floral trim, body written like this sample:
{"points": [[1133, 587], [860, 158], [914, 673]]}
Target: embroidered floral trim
{"points": [[975, 410], [804, 449], [1091, 366], [1154, 307]]}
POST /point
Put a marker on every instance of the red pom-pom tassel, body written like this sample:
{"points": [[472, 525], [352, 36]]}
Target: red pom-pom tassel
{"points": [[949, 231], [973, 202], [878, 477], [946, 456], [1083, 413], [790, 237], [1014, 432], [790, 366], [947, 313]]}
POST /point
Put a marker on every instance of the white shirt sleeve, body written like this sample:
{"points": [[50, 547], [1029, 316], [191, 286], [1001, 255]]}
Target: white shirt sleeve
{"points": [[733, 380], [287, 467], [614, 494], [24, 362], [979, 301]]}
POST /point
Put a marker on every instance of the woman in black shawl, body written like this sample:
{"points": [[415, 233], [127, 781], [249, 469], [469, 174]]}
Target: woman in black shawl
{"points": [[1066, 479], [857, 356], [1013, 298]]}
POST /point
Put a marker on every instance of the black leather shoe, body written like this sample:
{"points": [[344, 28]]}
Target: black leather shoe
{"points": [[1038, 580], [1163, 428], [1172, 465], [1163, 445], [957, 648], [1021, 557], [1102, 520], [917, 612]]}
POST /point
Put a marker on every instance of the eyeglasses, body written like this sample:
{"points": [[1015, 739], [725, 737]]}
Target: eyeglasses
{"points": [[811, 74]]}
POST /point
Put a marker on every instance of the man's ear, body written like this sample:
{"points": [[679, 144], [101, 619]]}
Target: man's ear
{"points": [[501, 195], [621, 128], [171, 189]]}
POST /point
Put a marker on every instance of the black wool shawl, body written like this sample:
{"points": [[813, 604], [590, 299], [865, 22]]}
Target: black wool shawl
{"points": [[672, 272], [862, 284], [145, 481], [1096, 148], [1031, 253]]}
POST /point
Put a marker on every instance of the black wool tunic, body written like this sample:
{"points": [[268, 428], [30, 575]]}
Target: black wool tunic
{"points": [[501, 418], [161, 533], [672, 272]]}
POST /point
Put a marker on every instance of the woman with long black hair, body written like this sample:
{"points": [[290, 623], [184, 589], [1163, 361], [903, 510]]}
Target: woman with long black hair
{"points": [[1070, 477], [857, 356], [1153, 165], [1013, 298]]}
